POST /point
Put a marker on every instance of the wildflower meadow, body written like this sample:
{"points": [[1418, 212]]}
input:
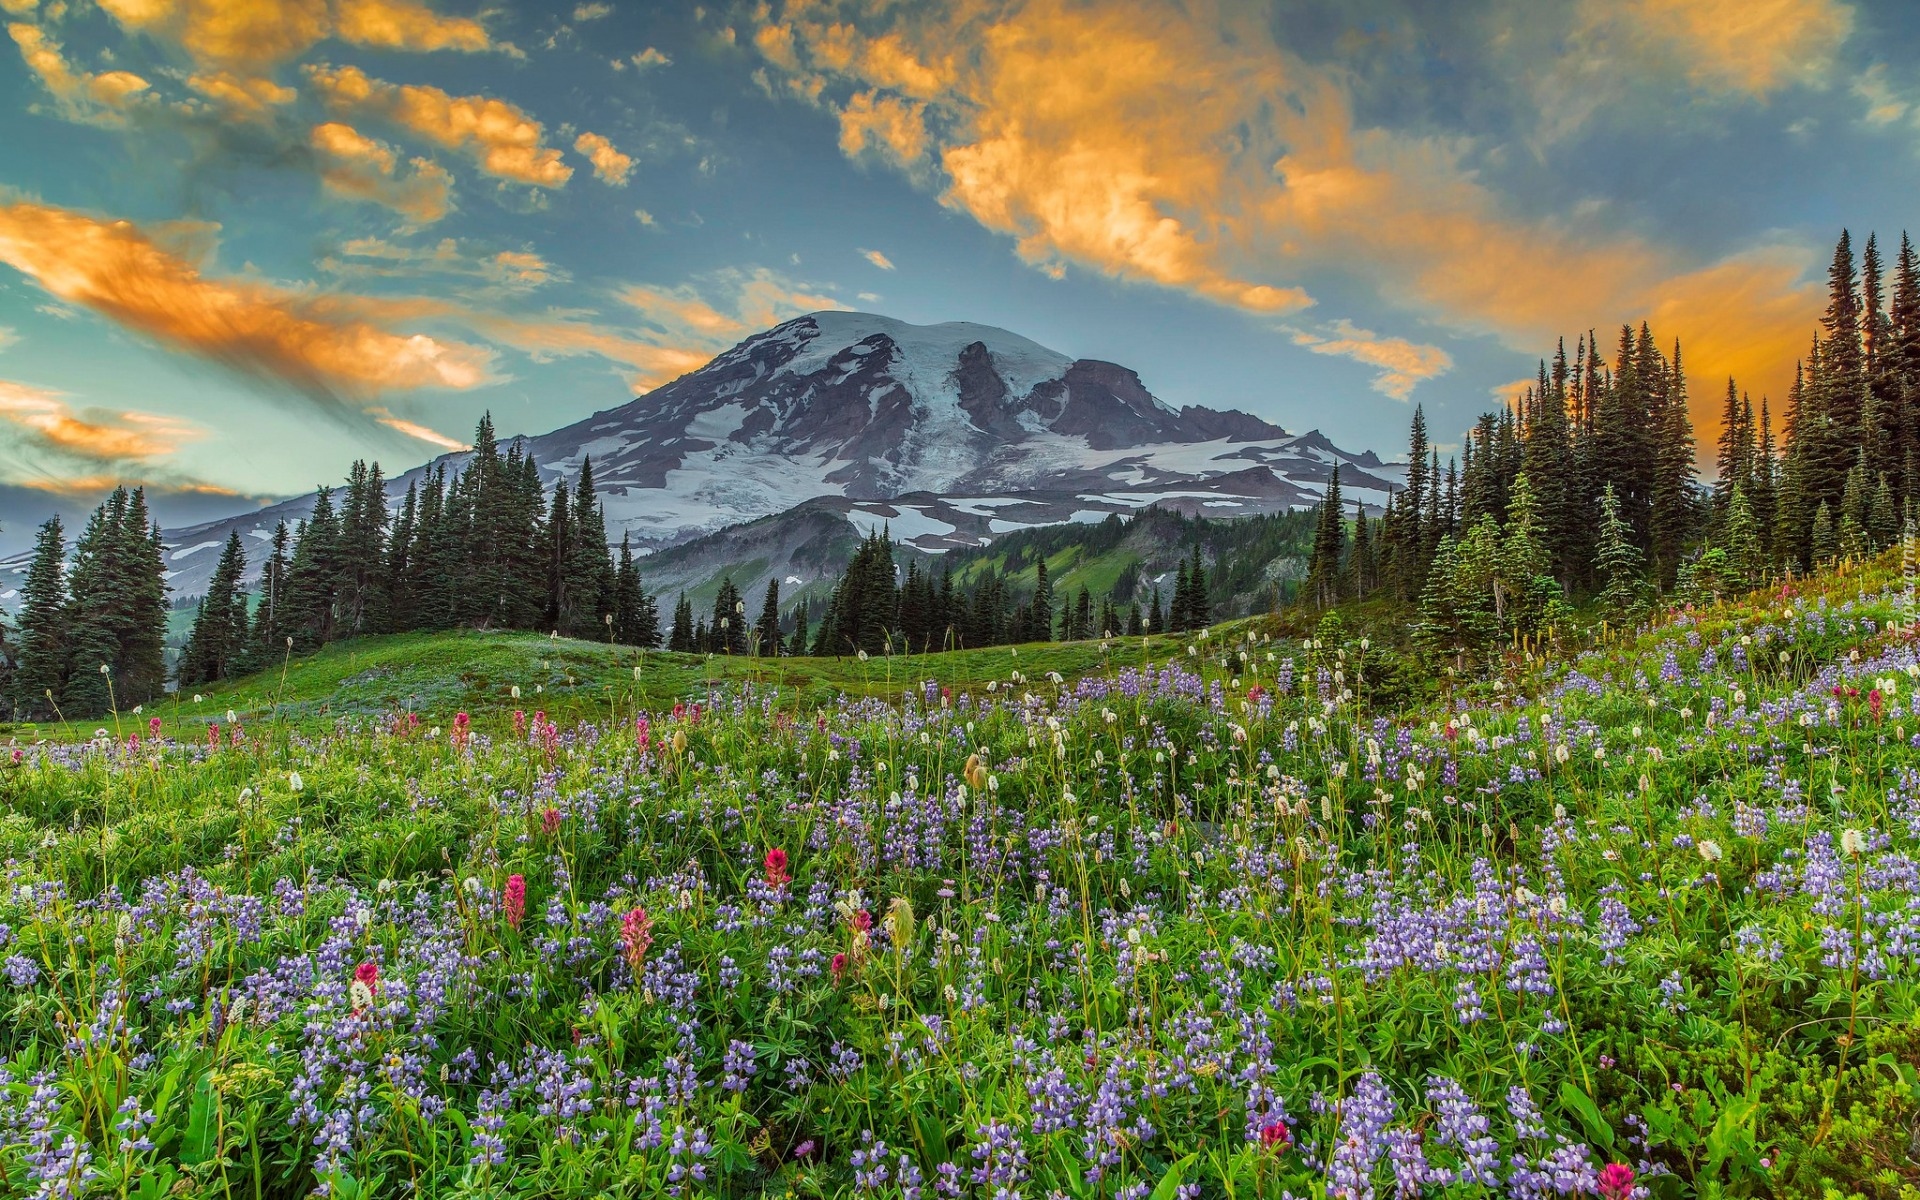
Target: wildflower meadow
{"points": [[1208, 920]]}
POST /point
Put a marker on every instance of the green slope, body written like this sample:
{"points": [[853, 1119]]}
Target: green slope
{"points": [[439, 674]]}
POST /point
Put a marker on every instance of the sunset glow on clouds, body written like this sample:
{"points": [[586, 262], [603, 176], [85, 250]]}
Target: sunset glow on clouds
{"points": [[405, 212]]}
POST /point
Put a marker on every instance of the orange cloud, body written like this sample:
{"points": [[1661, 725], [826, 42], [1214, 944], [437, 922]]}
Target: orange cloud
{"points": [[325, 346], [506, 142], [362, 168], [1401, 364], [1178, 143], [1754, 47], [401, 26], [250, 37], [877, 259], [101, 99], [609, 165], [244, 97], [95, 434], [431, 437]]}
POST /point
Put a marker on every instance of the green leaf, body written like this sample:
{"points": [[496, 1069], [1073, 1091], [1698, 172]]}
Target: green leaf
{"points": [[202, 1130], [1169, 1184], [1582, 1107]]}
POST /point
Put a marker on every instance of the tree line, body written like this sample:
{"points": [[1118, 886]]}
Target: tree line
{"points": [[483, 546], [875, 609], [91, 633], [1586, 488]]}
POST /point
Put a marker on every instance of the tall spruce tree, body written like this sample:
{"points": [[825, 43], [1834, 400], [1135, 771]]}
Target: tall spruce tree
{"points": [[42, 654], [1329, 546], [218, 640], [766, 630]]}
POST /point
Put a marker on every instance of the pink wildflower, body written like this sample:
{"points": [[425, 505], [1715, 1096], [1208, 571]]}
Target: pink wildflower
{"points": [[636, 934], [1616, 1181], [515, 899]]}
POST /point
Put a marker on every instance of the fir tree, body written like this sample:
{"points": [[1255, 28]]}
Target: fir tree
{"points": [[40, 662], [1617, 560], [1329, 545], [681, 638], [801, 628], [728, 630], [220, 629], [766, 630], [1199, 601]]}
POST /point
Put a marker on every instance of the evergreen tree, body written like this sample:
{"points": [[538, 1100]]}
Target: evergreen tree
{"points": [[766, 630], [142, 662], [681, 638], [1360, 560], [1743, 557], [589, 574], [1672, 512], [313, 576], [727, 631], [1617, 561], [801, 628], [1041, 609], [864, 609], [636, 618], [1329, 546], [1825, 541], [220, 629], [1199, 600], [40, 662], [269, 634]]}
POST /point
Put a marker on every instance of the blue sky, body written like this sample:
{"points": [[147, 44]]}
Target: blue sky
{"points": [[243, 242]]}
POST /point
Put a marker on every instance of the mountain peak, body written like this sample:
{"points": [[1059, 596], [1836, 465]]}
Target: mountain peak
{"points": [[864, 409]]}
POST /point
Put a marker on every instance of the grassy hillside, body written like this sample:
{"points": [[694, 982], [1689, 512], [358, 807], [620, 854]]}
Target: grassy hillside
{"points": [[439, 674], [1215, 919]]}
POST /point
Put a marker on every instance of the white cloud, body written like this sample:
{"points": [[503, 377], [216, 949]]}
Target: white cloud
{"points": [[877, 259]]}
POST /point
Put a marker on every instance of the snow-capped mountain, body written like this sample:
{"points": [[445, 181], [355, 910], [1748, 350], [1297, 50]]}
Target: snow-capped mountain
{"points": [[950, 433]]}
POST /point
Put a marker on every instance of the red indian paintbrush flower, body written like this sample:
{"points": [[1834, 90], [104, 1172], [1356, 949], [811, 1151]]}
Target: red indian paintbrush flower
{"points": [[515, 900], [636, 934], [1616, 1181], [776, 865]]}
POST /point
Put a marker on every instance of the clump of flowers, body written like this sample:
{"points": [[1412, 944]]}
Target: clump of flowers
{"points": [[365, 985]]}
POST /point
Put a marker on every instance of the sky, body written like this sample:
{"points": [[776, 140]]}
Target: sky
{"points": [[244, 242]]}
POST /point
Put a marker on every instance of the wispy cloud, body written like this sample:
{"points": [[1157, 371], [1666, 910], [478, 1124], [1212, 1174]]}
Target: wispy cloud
{"points": [[417, 431], [496, 272], [500, 137], [877, 259], [362, 168], [101, 99], [1401, 365], [329, 347], [50, 444]]}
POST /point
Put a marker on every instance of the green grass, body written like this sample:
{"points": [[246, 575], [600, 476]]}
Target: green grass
{"points": [[439, 674]]}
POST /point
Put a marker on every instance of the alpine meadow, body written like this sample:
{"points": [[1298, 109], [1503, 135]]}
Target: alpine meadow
{"points": [[1423, 700]]}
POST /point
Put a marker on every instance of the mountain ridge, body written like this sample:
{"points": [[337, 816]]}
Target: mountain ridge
{"points": [[971, 429]]}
